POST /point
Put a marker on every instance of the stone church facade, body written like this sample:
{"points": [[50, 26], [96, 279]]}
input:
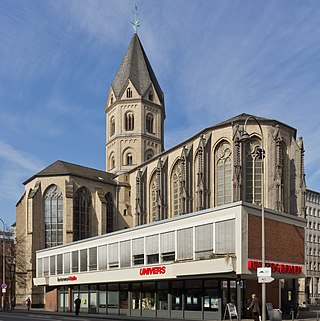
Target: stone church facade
{"points": [[143, 183]]}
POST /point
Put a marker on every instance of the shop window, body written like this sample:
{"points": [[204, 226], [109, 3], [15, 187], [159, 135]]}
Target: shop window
{"points": [[75, 261], [168, 256], [148, 296], [185, 244], [93, 259], [204, 241], [66, 263], [52, 265], [83, 260], [153, 259], [102, 257], [113, 260], [177, 291], [59, 264], [162, 295], [138, 259], [125, 254], [40, 268], [167, 243], [225, 239]]}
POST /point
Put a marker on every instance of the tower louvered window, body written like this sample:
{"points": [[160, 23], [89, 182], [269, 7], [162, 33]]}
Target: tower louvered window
{"points": [[149, 123], [129, 121], [53, 211]]}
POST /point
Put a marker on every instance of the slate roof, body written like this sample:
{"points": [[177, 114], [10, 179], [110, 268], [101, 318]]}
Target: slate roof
{"points": [[61, 168], [136, 67]]}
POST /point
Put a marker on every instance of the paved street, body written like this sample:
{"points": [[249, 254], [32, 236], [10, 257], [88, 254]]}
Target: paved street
{"points": [[40, 315]]}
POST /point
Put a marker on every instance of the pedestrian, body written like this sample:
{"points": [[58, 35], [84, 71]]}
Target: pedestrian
{"points": [[254, 305], [77, 303], [13, 303], [28, 303]]}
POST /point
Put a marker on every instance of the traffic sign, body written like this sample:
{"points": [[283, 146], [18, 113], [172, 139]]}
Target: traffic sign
{"points": [[265, 279], [265, 271], [3, 286]]}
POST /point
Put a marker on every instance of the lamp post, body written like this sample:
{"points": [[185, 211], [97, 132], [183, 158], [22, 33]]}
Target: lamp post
{"points": [[246, 136], [3, 263]]}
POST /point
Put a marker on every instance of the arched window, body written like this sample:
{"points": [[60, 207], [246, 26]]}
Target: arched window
{"points": [[223, 173], [110, 212], [129, 159], [112, 162], [148, 155], [129, 121], [149, 123], [175, 189], [81, 214], [253, 168], [112, 126], [153, 202], [111, 99], [53, 213], [129, 92]]}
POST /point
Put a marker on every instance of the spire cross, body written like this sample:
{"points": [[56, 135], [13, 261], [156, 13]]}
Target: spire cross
{"points": [[135, 23]]}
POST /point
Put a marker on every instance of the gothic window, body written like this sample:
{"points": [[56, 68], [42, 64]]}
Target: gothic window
{"points": [[53, 210], [112, 126], [223, 173], [81, 214], [129, 92], [110, 212], [111, 99], [149, 123], [150, 95], [253, 168], [175, 189], [153, 198], [129, 121]]}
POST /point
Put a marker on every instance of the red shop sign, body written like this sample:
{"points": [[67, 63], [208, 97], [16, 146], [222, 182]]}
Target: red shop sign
{"points": [[153, 270], [276, 267]]}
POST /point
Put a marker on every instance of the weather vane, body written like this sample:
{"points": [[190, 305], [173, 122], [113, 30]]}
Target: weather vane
{"points": [[135, 23]]}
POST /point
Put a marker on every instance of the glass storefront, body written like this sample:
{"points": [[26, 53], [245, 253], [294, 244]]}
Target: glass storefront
{"points": [[194, 298]]}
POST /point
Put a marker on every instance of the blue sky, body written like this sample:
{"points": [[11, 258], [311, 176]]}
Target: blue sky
{"points": [[213, 59]]}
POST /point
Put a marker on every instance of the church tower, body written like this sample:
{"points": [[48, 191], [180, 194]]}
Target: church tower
{"points": [[135, 112]]}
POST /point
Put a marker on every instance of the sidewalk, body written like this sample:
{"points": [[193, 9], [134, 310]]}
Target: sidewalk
{"points": [[313, 314]]}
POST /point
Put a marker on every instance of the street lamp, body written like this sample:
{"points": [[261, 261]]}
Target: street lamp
{"points": [[3, 262], [261, 151]]}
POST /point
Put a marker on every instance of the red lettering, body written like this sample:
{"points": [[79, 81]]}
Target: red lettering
{"points": [[152, 271], [275, 267]]}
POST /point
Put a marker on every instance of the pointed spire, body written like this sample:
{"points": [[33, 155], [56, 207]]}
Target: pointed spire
{"points": [[136, 67]]}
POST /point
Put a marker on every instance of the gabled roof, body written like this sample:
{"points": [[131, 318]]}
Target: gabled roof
{"points": [[136, 67], [61, 168]]}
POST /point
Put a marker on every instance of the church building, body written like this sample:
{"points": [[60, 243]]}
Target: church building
{"points": [[135, 238]]}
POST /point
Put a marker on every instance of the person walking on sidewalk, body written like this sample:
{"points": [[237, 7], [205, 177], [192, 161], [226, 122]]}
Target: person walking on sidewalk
{"points": [[28, 303], [254, 305], [77, 303]]}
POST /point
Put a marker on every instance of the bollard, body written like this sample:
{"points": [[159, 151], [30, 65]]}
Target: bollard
{"points": [[292, 314]]}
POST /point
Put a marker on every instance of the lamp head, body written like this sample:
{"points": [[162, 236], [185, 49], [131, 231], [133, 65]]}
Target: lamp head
{"points": [[244, 136]]}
